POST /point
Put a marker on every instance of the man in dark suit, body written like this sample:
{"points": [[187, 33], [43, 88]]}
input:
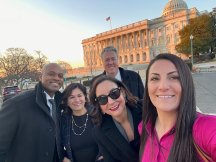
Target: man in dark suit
{"points": [[30, 124], [131, 79]]}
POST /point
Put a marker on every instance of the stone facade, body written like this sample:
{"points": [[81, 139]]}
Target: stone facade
{"points": [[139, 42]]}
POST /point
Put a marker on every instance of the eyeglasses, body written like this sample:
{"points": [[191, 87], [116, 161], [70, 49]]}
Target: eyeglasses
{"points": [[114, 94]]}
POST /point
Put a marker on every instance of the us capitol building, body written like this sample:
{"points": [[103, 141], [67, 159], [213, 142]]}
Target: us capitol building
{"points": [[139, 42]]}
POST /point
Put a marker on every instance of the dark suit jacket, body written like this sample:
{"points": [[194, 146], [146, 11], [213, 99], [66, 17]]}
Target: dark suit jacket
{"points": [[112, 145], [65, 135], [28, 132], [132, 80]]}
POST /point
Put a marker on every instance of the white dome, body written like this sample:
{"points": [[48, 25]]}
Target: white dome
{"points": [[174, 6]]}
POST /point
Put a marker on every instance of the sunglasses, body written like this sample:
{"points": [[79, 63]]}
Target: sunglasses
{"points": [[114, 94]]}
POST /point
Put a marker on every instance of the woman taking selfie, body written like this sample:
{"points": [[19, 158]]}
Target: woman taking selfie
{"points": [[171, 129]]}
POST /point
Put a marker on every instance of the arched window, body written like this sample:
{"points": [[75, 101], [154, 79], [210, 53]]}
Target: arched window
{"points": [[144, 56], [137, 57], [131, 58], [125, 59], [120, 60]]}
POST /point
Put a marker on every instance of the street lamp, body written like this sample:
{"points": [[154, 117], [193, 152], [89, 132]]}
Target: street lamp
{"points": [[192, 59]]}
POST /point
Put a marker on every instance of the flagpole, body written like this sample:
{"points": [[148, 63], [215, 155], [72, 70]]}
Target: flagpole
{"points": [[110, 23], [109, 19]]}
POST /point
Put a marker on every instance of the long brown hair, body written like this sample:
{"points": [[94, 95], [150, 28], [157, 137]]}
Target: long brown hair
{"points": [[96, 113], [182, 147]]}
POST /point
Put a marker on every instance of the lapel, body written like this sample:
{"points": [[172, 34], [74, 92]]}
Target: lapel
{"points": [[124, 77], [41, 99], [58, 99], [118, 142], [137, 116], [67, 135], [67, 130]]}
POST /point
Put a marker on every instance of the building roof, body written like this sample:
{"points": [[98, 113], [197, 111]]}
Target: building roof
{"points": [[174, 6]]}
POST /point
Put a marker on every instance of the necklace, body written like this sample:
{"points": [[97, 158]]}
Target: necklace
{"points": [[82, 126]]}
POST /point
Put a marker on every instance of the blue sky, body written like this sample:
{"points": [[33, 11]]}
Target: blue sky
{"points": [[57, 27]]}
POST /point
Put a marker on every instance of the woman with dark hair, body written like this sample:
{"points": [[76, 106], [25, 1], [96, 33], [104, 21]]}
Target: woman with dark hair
{"points": [[171, 129], [116, 114], [77, 125]]}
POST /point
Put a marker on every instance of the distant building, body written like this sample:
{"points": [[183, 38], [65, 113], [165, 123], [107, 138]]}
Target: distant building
{"points": [[141, 41], [214, 10], [214, 13]]}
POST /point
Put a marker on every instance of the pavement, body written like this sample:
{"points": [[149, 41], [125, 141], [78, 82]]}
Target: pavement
{"points": [[204, 77], [205, 89]]}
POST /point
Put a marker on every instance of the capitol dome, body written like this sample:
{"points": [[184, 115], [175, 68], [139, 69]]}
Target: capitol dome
{"points": [[174, 6]]}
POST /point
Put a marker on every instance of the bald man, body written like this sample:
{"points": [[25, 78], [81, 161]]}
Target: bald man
{"points": [[29, 122]]}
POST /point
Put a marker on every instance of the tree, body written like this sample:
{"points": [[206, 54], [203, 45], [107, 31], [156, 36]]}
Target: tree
{"points": [[37, 64], [16, 66], [213, 15], [66, 66], [40, 60], [67, 70], [202, 29]]}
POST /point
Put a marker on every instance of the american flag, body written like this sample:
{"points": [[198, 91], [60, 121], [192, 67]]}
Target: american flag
{"points": [[108, 18]]}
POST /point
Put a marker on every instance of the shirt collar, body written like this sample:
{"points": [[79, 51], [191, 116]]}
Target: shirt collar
{"points": [[118, 76], [149, 128], [48, 96]]}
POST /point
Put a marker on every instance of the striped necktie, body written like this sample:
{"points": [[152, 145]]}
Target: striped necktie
{"points": [[53, 110]]}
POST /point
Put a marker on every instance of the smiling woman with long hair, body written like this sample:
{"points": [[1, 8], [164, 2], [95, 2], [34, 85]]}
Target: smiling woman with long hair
{"points": [[171, 129], [116, 114], [77, 125]]}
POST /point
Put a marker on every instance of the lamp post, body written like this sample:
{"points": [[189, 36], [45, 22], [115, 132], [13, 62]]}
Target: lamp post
{"points": [[191, 43]]}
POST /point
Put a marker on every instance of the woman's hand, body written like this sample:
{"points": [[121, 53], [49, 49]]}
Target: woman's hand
{"points": [[66, 160]]}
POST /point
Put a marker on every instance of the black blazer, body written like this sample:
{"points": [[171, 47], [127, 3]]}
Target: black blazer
{"points": [[112, 145], [132, 80]]}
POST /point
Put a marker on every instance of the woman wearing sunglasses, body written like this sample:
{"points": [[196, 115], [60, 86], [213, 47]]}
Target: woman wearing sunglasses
{"points": [[116, 114]]}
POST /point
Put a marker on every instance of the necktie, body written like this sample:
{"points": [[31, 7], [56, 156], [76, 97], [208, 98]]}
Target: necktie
{"points": [[53, 114], [53, 110]]}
